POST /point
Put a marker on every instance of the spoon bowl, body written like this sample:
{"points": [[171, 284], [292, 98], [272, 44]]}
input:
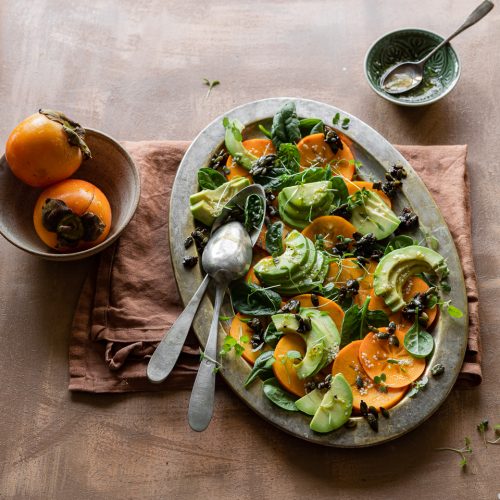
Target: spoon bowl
{"points": [[228, 253]]}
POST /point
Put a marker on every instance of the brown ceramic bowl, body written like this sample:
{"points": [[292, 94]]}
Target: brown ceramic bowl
{"points": [[111, 169]]}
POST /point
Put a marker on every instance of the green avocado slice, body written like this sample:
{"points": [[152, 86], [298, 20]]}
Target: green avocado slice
{"points": [[297, 254], [206, 205], [374, 216], [335, 408], [396, 267], [309, 403]]}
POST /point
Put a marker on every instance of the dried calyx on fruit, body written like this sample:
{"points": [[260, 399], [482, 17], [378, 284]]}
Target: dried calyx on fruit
{"points": [[74, 131], [70, 228]]}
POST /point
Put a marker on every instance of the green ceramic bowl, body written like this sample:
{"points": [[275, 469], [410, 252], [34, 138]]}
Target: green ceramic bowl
{"points": [[441, 72]]}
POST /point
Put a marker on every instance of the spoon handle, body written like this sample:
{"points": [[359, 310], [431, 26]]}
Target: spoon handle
{"points": [[473, 18], [201, 404], [166, 354]]}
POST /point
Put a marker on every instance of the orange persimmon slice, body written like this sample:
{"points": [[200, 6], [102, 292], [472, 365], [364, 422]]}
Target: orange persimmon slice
{"points": [[241, 329], [329, 306], [414, 285], [284, 367], [352, 187], [379, 356], [347, 362], [258, 147], [329, 226], [315, 152]]}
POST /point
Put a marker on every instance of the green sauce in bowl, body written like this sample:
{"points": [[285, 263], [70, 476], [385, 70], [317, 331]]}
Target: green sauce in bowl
{"points": [[441, 72]]}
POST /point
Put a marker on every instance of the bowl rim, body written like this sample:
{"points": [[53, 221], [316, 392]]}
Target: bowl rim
{"points": [[388, 97], [108, 241]]}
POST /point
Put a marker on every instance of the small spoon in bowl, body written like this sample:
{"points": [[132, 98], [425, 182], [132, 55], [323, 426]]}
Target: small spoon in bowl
{"points": [[405, 76]]}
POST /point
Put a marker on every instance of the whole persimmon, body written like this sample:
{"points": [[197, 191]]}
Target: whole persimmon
{"points": [[45, 148], [72, 215]]}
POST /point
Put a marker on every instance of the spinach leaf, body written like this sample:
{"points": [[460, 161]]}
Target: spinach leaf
{"points": [[418, 342], [319, 128], [340, 192], [358, 319], [312, 174], [330, 291], [418, 386], [306, 125], [262, 367], [248, 298], [274, 238], [400, 241], [254, 212], [279, 396], [271, 335], [208, 178], [285, 126]]}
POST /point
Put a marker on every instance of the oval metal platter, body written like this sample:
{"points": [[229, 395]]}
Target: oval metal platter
{"points": [[376, 155]]}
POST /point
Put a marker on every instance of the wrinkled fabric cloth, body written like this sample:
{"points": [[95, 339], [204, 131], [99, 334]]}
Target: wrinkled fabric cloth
{"points": [[130, 299]]}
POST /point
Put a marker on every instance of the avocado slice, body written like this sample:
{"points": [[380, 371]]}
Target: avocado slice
{"points": [[234, 144], [307, 281], [299, 253], [299, 205], [335, 408], [396, 267], [322, 341], [286, 323], [310, 402], [374, 216], [206, 205]]}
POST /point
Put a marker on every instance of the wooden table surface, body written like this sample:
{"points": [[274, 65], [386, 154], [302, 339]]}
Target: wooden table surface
{"points": [[134, 69]]}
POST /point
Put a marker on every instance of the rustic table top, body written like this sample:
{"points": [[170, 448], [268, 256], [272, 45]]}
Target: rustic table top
{"points": [[134, 69]]}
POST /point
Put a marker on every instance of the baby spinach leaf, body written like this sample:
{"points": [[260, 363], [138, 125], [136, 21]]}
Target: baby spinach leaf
{"points": [[454, 312], [279, 396], [254, 212], [248, 298], [418, 342], [306, 125], [357, 320], [262, 367], [418, 386], [285, 126], [400, 241], [340, 192], [208, 178], [319, 128], [288, 159], [274, 238], [271, 335]]}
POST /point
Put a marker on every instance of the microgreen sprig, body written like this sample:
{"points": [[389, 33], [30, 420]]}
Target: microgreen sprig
{"points": [[461, 451]]}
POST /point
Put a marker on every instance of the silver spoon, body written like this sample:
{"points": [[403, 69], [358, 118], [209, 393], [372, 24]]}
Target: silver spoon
{"points": [[226, 257], [168, 350], [407, 75]]}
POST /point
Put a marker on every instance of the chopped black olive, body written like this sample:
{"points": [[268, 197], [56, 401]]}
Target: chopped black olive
{"points": [[332, 139], [188, 242], [219, 159], [437, 369], [366, 246], [384, 412], [372, 421], [190, 261], [409, 219], [304, 324], [314, 300], [292, 306], [394, 341], [363, 408], [373, 411]]}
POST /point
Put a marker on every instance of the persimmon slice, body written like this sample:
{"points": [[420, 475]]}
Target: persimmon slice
{"points": [[352, 187], [347, 362], [379, 356], [315, 152], [329, 306], [413, 286], [284, 367], [241, 329], [329, 227], [258, 147]]}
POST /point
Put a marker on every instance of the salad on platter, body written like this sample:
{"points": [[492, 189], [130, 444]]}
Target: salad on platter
{"points": [[335, 316]]}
